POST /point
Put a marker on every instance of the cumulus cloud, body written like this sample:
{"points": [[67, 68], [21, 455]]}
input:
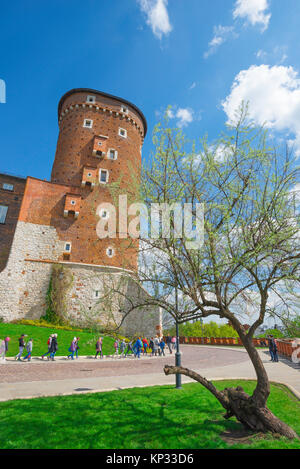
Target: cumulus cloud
{"points": [[221, 35], [254, 11], [157, 16], [273, 94], [184, 116]]}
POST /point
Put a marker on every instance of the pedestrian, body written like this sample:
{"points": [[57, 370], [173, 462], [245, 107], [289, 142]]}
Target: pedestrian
{"points": [[122, 347], [145, 345], [270, 347], [156, 346], [138, 347], [77, 346], [162, 346], [273, 349], [129, 348], [29, 347], [116, 346], [49, 346], [4, 348], [99, 348], [21, 347], [173, 340], [169, 343], [151, 346], [72, 349], [53, 347]]}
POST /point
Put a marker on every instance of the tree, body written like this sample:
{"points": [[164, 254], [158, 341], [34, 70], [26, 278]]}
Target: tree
{"points": [[249, 244]]}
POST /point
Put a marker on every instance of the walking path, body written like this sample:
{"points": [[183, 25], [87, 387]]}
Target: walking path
{"points": [[62, 377]]}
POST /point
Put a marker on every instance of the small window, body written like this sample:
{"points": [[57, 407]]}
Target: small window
{"points": [[8, 187], [110, 252], [88, 123], [124, 109], [104, 213], [100, 143], [112, 154], [89, 175], [3, 213], [68, 247], [73, 202], [96, 294], [91, 99], [103, 176], [123, 133]]}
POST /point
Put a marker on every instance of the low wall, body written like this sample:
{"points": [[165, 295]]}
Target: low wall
{"points": [[220, 341]]}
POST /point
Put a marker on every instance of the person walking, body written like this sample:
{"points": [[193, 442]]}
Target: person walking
{"points": [[129, 348], [173, 340], [270, 347], [151, 346], [122, 347], [77, 346], [273, 349], [162, 346], [4, 348], [145, 345], [138, 347], [72, 349], [169, 343], [49, 346], [99, 348], [29, 347], [116, 346], [156, 346], [53, 347], [21, 347]]}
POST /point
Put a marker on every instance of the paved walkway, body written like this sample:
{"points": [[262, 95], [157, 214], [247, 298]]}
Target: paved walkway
{"points": [[62, 377]]}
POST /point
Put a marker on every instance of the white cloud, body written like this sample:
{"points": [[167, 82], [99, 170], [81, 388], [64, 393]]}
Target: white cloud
{"points": [[184, 116], [278, 55], [273, 94], [221, 35], [254, 11], [157, 16], [193, 85]]}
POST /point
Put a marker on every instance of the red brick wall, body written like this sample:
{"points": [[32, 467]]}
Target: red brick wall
{"points": [[13, 200]]}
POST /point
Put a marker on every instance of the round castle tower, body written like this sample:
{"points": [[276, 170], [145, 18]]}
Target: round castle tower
{"points": [[100, 141]]}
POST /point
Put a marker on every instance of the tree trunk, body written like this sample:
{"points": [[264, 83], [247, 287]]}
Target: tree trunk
{"points": [[247, 409]]}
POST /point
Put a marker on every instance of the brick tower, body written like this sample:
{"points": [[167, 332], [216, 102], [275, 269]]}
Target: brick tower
{"points": [[53, 231]]}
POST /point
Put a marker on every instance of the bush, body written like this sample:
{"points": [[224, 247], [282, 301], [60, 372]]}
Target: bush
{"points": [[212, 329], [274, 332]]}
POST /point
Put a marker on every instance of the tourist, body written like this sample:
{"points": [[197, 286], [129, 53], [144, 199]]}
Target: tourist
{"points": [[53, 347], [77, 346], [138, 347], [29, 347], [122, 347], [21, 347], [116, 346], [129, 348], [145, 345], [99, 348], [72, 349], [173, 340], [169, 342], [162, 346], [273, 349], [49, 346], [4, 348], [156, 346]]}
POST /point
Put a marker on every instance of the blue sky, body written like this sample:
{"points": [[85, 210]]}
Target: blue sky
{"points": [[201, 57]]}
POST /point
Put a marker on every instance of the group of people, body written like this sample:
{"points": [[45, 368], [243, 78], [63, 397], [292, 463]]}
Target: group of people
{"points": [[141, 345]]}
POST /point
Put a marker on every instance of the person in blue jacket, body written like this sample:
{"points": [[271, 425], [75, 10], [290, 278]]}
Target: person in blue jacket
{"points": [[138, 347], [162, 346]]}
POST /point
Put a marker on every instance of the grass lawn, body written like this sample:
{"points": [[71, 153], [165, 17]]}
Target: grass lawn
{"points": [[40, 336], [159, 417]]}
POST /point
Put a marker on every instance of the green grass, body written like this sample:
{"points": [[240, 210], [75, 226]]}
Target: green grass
{"points": [[40, 336], [159, 417]]}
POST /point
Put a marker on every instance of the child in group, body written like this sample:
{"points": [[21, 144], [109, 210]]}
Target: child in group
{"points": [[49, 347], [29, 347]]}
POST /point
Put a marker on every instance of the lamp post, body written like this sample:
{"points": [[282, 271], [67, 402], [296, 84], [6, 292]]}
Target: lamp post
{"points": [[177, 354]]}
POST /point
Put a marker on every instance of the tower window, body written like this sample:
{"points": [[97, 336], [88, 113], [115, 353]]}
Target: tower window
{"points": [[110, 252], [3, 213], [68, 247], [88, 123], [123, 133], [104, 213], [124, 109], [112, 154], [8, 187], [103, 176], [73, 202], [91, 99]]}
